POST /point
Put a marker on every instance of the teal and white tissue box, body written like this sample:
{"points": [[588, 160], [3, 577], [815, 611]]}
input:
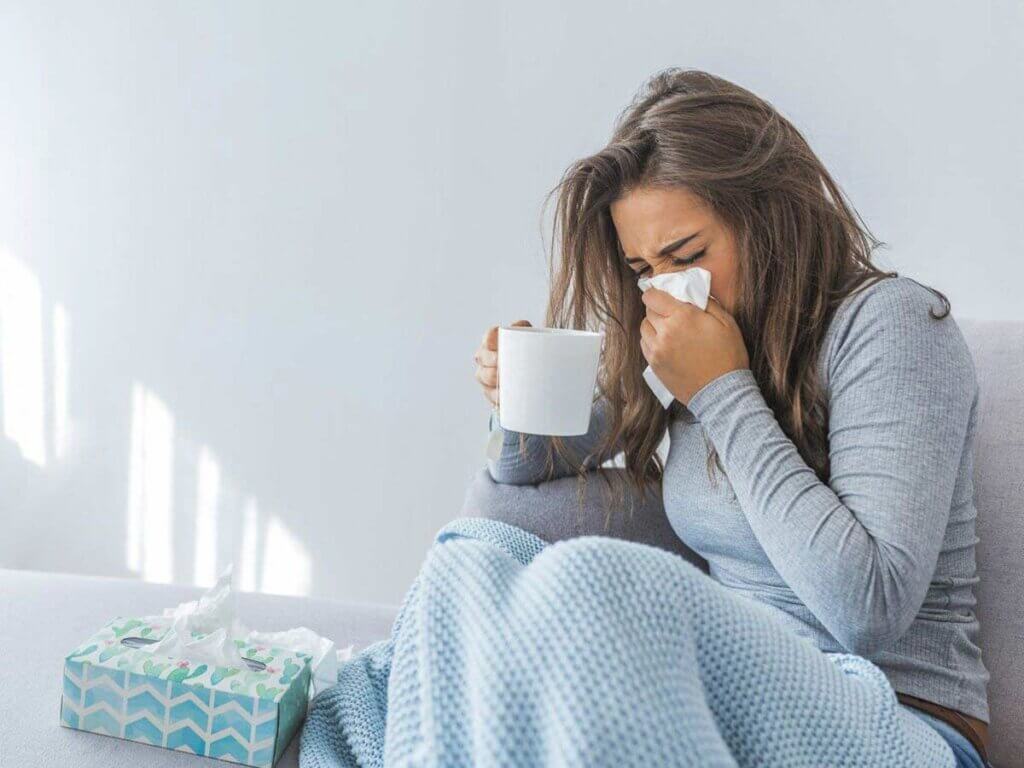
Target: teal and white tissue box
{"points": [[242, 715]]}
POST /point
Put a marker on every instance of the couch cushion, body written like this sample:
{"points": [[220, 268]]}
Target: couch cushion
{"points": [[998, 351], [552, 511]]}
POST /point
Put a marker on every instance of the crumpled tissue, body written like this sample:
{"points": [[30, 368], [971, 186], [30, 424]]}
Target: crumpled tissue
{"points": [[690, 285], [213, 615]]}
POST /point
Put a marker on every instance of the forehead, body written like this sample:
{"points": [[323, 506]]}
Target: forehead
{"points": [[648, 218]]}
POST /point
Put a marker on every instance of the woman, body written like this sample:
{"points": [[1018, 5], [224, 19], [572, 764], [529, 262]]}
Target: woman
{"points": [[820, 440]]}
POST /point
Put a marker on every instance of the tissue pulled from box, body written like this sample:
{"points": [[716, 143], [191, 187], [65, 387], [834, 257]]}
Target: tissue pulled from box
{"points": [[206, 630], [212, 617], [690, 285]]}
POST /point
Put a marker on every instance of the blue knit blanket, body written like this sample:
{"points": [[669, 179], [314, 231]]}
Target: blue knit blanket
{"points": [[595, 651]]}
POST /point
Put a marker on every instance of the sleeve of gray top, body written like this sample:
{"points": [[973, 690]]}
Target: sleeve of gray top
{"points": [[529, 467], [860, 551]]}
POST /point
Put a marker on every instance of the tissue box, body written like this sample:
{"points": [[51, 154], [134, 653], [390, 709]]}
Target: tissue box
{"points": [[243, 715]]}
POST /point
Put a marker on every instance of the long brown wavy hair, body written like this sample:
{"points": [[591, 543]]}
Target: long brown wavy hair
{"points": [[802, 249]]}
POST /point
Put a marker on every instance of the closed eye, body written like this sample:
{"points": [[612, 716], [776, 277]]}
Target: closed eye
{"points": [[678, 262]]}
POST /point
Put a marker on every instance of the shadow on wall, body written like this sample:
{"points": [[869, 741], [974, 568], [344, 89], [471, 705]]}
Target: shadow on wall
{"points": [[185, 518]]}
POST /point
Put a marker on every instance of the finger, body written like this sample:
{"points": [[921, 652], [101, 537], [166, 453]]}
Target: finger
{"points": [[718, 312], [488, 358], [660, 302], [657, 322], [491, 395], [648, 332], [646, 350], [491, 338], [487, 376]]}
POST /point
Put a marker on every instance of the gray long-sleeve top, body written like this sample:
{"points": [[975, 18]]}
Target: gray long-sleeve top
{"points": [[880, 560]]}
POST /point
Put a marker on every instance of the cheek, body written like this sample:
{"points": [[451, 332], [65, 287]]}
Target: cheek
{"points": [[723, 277]]}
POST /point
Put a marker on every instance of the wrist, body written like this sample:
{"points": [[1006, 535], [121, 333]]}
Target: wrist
{"points": [[714, 391]]}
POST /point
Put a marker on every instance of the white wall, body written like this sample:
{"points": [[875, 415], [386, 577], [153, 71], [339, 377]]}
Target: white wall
{"points": [[249, 248]]}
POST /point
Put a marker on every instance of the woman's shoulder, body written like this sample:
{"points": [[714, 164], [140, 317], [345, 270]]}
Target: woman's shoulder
{"points": [[896, 319], [887, 297]]}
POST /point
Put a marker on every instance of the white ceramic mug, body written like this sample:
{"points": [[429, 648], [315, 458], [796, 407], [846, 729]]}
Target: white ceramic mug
{"points": [[546, 379]]}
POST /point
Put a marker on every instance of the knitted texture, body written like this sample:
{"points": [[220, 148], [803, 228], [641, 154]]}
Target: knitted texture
{"points": [[595, 651]]}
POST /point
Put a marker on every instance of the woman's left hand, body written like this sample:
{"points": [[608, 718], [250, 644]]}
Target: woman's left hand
{"points": [[688, 347]]}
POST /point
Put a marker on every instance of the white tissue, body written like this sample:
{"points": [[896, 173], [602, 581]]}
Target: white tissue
{"points": [[213, 615], [322, 649], [690, 285]]}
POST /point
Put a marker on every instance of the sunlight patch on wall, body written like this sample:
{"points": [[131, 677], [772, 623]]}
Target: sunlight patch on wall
{"points": [[248, 567], [21, 358], [60, 381], [287, 568], [149, 538], [207, 513]]}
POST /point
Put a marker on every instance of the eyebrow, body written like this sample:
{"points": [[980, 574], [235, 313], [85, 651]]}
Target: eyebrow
{"points": [[668, 248]]}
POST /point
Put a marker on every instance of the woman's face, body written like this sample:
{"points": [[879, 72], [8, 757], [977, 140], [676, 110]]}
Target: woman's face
{"points": [[669, 230]]}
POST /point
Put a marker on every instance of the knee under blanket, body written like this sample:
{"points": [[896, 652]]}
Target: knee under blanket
{"points": [[596, 651]]}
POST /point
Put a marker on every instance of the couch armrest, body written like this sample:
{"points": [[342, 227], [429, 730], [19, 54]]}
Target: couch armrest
{"points": [[552, 511]]}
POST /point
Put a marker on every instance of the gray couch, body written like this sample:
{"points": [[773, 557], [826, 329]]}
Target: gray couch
{"points": [[551, 510]]}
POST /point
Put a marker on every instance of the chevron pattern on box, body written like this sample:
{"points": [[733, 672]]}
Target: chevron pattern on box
{"points": [[240, 729]]}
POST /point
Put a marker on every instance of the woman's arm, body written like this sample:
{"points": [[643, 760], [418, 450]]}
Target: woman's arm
{"points": [[530, 467], [859, 552]]}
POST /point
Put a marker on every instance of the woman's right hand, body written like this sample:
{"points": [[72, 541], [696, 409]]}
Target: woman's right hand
{"points": [[486, 357]]}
